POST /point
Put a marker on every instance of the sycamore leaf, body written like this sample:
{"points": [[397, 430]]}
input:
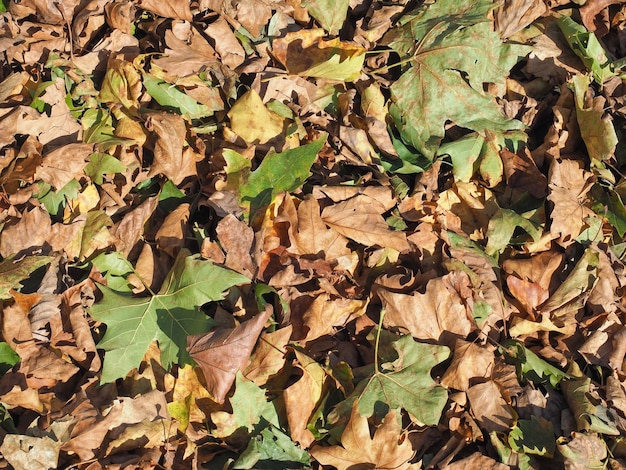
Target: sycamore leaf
{"points": [[12, 272], [406, 382], [224, 352], [122, 84], [447, 73], [388, 448], [529, 365], [168, 316], [8, 357], [501, 228], [533, 436], [278, 172], [596, 127]]}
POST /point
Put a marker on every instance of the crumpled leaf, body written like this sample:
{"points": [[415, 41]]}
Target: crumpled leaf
{"points": [[168, 316], [224, 352], [387, 449]]}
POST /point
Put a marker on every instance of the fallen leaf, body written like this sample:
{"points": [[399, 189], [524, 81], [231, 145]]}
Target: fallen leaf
{"points": [[224, 352], [387, 448]]}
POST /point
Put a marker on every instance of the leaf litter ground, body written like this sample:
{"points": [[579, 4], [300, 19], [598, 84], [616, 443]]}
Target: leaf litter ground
{"points": [[312, 234]]}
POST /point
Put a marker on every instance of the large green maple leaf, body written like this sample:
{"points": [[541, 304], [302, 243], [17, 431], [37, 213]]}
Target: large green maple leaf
{"points": [[406, 382], [168, 316], [452, 51]]}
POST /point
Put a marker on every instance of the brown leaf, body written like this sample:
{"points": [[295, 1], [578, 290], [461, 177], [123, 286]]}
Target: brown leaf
{"points": [[514, 15], [236, 238], [476, 461], [168, 8], [302, 398], [131, 228], [30, 232], [569, 184], [491, 411], [64, 164], [437, 314], [590, 11], [182, 59], [169, 159], [30, 453], [227, 46], [521, 172], [470, 362], [223, 352], [269, 355], [387, 449], [171, 236], [360, 219]]}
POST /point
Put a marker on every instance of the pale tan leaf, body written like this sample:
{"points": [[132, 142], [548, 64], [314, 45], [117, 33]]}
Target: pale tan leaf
{"points": [[388, 448], [360, 219]]}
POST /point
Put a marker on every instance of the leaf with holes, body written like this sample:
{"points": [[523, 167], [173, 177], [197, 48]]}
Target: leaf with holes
{"points": [[167, 317]]}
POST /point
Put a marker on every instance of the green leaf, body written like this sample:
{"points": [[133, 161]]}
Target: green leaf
{"points": [[12, 272], [455, 56], [8, 358], [589, 417], [250, 407], [406, 382], [501, 228], [270, 447], [330, 14], [278, 172], [54, 201], [586, 46], [533, 436], [596, 129], [168, 316], [169, 96], [608, 203], [101, 164], [530, 366], [114, 267]]}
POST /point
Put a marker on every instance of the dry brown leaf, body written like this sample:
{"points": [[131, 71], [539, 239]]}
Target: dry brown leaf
{"points": [[569, 185], [169, 156], [360, 219], [269, 355], [590, 11], [182, 59], [387, 449], [437, 314], [131, 227], [302, 398], [476, 461], [223, 352], [514, 15], [168, 8], [490, 410], [171, 236], [30, 453], [470, 363], [236, 238], [227, 46], [64, 164], [30, 232]]}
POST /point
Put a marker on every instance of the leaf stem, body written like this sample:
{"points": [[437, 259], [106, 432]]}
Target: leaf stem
{"points": [[380, 327]]}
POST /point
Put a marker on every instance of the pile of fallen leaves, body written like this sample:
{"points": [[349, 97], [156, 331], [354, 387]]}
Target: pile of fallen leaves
{"points": [[312, 234]]}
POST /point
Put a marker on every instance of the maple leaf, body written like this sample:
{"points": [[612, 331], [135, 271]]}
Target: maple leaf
{"points": [[167, 317], [448, 69], [406, 382], [386, 449]]}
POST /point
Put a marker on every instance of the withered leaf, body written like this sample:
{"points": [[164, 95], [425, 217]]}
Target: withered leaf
{"points": [[225, 351]]}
